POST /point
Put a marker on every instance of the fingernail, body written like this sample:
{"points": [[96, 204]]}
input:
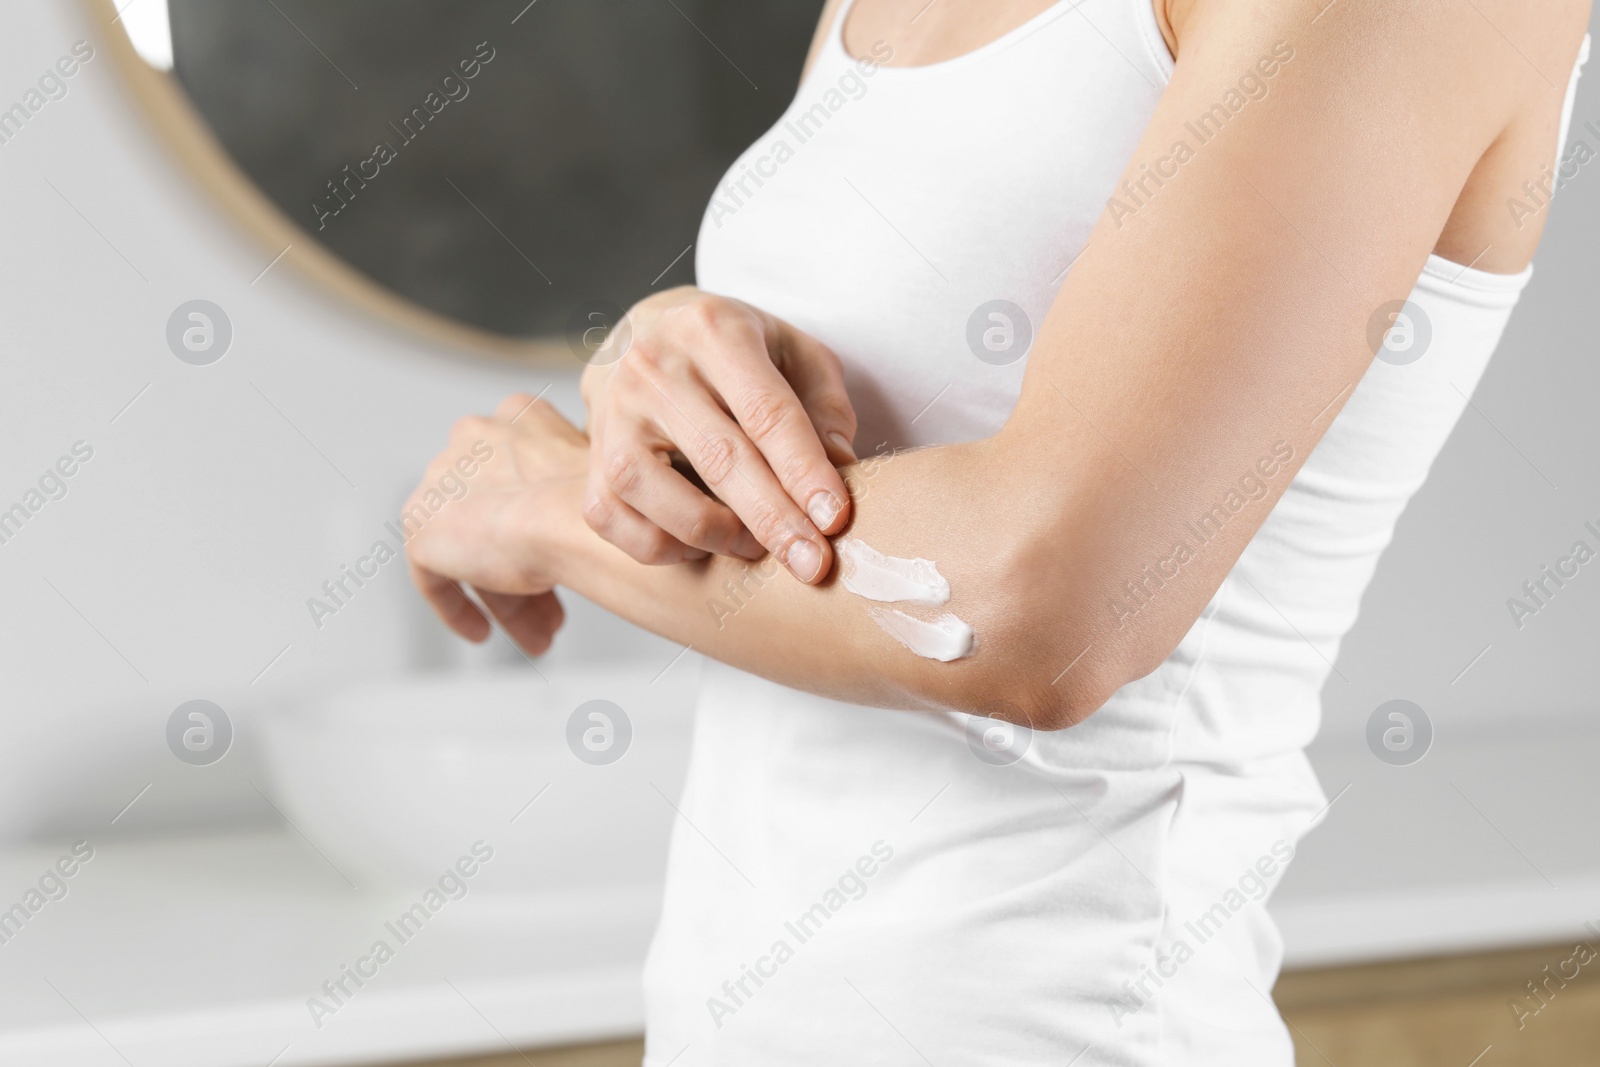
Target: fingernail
{"points": [[804, 560], [843, 442], [823, 509]]}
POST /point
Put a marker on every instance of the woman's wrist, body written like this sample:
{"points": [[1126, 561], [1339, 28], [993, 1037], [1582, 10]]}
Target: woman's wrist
{"points": [[563, 542]]}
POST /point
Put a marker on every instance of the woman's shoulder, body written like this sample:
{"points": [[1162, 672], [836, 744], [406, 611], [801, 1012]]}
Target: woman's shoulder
{"points": [[1488, 77], [1541, 35]]}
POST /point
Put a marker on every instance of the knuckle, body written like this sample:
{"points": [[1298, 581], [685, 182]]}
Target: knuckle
{"points": [[796, 469], [517, 401], [661, 373], [705, 315], [708, 316], [648, 379], [622, 471], [644, 352], [763, 414], [629, 388], [468, 426], [716, 458], [657, 548], [598, 513], [766, 524]]}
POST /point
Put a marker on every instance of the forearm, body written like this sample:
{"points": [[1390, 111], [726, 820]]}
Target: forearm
{"points": [[1072, 575], [941, 504]]}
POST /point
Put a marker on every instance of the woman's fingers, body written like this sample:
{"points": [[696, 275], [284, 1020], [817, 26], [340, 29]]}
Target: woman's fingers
{"points": [[640, 536], [740, 369], [530, 621], [642, 479], [817, 378], [450, 603], [697, 359], [738, 473]]}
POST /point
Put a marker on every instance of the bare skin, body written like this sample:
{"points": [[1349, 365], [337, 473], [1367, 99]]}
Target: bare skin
{"points": [[1229, 314], [735, 377]]}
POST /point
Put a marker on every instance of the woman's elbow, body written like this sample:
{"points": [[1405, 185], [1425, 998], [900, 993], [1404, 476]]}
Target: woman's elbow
{"points": [[1052, 665], [1026, 688], [1048, 655]]}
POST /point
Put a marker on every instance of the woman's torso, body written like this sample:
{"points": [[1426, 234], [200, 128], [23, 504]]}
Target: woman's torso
{"points": [[888, 213]]}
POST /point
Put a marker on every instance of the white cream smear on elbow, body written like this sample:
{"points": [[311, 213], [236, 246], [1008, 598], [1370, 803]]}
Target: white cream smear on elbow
{"points": [[868, 573], [944, 638]]}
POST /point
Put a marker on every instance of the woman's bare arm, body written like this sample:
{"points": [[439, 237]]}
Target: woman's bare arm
{"points": [[1201, 345]]}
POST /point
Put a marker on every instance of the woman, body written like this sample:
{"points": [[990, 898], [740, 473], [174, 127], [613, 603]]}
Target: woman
{"points": [[1006, 774]]}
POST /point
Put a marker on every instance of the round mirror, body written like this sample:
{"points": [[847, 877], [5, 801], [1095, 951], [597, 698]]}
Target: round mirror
{"points": [[480, 172]]}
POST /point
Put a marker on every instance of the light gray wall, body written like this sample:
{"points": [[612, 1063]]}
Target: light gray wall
{"points": [[1502, 802], [1509, 494], [179, 563]]}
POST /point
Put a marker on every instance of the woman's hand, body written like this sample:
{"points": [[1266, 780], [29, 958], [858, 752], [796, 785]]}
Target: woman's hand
{"points": [[756, 407], [482, 514]]}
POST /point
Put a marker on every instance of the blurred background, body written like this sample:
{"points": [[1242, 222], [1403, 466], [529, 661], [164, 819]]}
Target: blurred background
{"points": [[262, 788]]}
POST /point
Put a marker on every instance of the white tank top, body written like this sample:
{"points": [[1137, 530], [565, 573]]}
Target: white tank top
{"points": [[854, 885]]}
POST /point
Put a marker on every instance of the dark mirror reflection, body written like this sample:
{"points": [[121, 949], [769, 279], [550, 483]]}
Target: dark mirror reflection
{"points": [[499, 172]]}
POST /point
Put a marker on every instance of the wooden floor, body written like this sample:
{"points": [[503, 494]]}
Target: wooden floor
{"points": [[615, 1054], [1447, 1012]]}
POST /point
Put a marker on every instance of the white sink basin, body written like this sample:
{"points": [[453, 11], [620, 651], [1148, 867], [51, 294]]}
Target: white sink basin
{"points": [[394, 783]]}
